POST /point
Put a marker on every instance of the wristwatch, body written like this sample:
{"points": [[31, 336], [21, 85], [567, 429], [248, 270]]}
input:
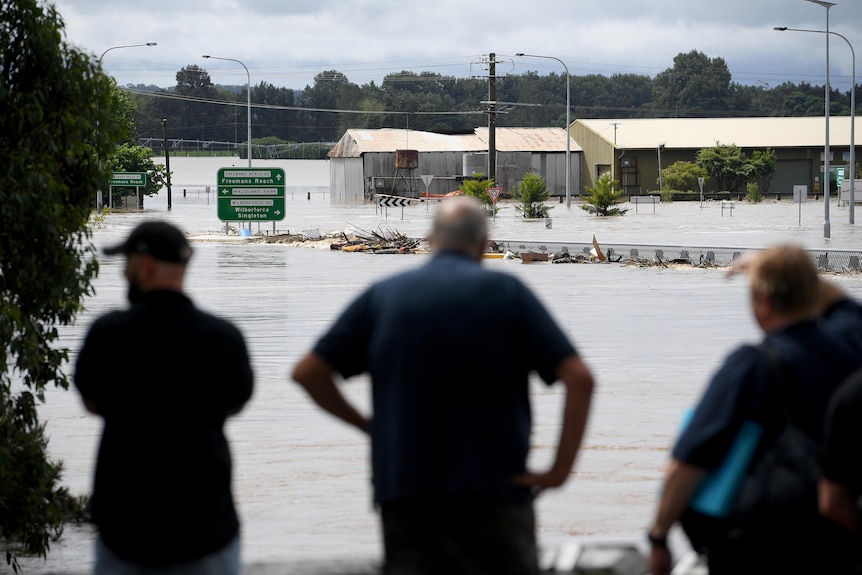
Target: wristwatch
{"points": [[656, 541]]}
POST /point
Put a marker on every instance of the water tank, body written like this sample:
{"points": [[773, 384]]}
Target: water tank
{"points": [[475, 163], [406, 159]]}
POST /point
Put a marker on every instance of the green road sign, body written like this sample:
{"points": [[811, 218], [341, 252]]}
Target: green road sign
{"points": [[250, 194], [129, 179]]}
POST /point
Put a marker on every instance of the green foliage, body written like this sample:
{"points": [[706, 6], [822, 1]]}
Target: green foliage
{"points": [[683, 176], [667, 195], [126, 114], [532, 193], [763, 166], [724, 163], [753, 194], [136, 159], [602, 199], [732, 169], [696, 86], [58, 122], [478, 188], [34, 505]]}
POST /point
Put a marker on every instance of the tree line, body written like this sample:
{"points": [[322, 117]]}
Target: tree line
{"points": [[694, 86]]}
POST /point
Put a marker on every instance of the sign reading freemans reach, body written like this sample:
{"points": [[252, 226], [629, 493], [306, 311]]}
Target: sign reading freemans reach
{"points": [[137, 179], [251, 194]]}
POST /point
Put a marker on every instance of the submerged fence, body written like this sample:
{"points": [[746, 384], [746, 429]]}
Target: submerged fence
{"points": [[833, 261]]}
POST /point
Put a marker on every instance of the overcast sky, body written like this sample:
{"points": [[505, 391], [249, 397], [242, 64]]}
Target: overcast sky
{"points": [[287, 42]]}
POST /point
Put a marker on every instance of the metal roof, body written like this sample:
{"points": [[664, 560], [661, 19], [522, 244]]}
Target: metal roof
{"points": [[354, 143], [528, 139], [772, 132]]}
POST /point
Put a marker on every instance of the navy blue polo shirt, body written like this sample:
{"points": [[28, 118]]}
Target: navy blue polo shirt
{"points": [[449, 347]]}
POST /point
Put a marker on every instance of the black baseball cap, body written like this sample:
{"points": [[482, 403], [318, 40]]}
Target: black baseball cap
{"points": [[159, 239]]}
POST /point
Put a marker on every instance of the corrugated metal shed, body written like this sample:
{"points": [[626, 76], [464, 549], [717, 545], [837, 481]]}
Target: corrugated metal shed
{"points": [[354, 143], [365, 163], [647, 133]]}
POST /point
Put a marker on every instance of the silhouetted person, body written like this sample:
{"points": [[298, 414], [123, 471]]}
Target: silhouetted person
{"points": [[164, 376], [816, 333], [450, 430]]}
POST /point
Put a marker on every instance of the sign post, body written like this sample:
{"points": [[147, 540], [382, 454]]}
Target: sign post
{"points": [[427, 179], [126, 179], [800, 194], [251, 194], [494, 193]]}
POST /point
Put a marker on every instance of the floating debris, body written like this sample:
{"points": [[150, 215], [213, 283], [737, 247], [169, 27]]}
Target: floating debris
{"points": [[383, 240]]}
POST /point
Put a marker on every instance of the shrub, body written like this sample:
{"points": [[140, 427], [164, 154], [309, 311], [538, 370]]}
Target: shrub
{"points": [[531, 195], [683, 176], [753, 195], [602, 199], [478, 188]]}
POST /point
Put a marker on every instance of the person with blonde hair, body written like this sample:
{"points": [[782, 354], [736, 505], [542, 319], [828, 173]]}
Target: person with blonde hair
{"points": [[812, 341]]}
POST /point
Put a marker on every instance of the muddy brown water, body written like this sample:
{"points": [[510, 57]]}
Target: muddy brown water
{"points": [[652, 335]]}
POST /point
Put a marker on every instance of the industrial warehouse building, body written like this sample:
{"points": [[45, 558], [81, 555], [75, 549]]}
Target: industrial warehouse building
{"points": [[393, 161], [631, 150]]}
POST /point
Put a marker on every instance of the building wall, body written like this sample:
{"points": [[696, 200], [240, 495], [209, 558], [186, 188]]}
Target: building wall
{"points": [[355, 179], [796, 166], [380, 175], [345, 180]]}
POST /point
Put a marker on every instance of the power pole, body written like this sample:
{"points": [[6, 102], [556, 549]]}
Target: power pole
{"points": [[492, 118], [167, 159]]}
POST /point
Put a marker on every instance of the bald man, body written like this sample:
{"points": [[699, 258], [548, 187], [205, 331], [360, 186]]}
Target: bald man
{"points": [[450, 428]]}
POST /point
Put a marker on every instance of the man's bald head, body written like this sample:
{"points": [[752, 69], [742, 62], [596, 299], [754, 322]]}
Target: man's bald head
{"points": [[460, 225]]}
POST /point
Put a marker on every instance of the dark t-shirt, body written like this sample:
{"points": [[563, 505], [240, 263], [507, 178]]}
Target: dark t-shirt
{"points": [[449, 347], [815, 355], [842, 457], [164, 376]]}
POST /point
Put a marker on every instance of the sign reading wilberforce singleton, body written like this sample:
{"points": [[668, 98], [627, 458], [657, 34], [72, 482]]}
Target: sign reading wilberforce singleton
{"points": [[250, 194]]}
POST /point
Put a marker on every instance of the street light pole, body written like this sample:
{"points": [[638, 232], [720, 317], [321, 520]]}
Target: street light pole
{"points": [[248, 92], [852, 113], [99, 192], [827, 181], [568, 126]]}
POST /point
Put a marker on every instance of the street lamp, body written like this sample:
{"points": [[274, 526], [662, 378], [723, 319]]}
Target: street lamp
{"points": [[827, 183], [99, 192], [249, 97], [852, 113], [568, 126]]}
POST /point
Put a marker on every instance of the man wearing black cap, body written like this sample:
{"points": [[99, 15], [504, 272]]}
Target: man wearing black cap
{"points": [[164, 376]]}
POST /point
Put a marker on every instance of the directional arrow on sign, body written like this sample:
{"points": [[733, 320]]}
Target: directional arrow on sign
{"points": [[252, 194], [393, 201]]}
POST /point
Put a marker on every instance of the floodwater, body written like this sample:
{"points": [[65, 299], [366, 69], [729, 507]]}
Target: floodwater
{"points": [[652, 336]]}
